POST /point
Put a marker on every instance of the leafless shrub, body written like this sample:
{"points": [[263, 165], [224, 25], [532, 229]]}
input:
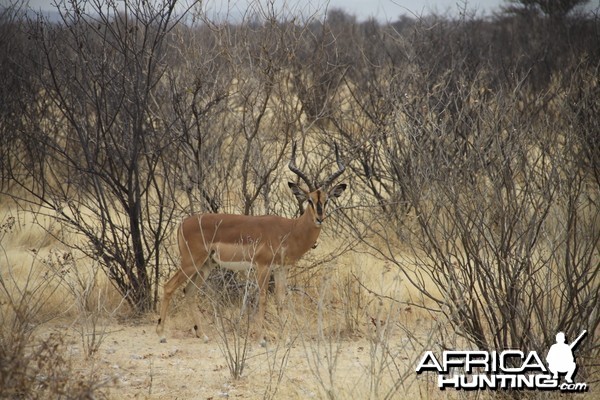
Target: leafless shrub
{"points": [[106, 136], [34, 366], [278, 355], [38, 369], [89, 300], [233, 319], [504, 228]]}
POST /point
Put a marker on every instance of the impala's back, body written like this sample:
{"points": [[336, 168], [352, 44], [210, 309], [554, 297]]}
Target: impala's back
{"points": [[237, 241]]}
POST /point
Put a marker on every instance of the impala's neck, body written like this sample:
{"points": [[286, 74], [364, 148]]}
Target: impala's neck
{"points": [[305, 230]]}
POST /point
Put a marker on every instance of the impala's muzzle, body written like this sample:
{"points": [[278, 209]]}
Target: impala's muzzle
{"points": [[319, 212]]}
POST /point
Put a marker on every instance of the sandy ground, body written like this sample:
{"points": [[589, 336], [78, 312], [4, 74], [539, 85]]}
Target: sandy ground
{"points": [[300, 361], [301, 366]]}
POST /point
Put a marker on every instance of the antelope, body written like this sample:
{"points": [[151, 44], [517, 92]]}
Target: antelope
{"points": [[268, 243]]}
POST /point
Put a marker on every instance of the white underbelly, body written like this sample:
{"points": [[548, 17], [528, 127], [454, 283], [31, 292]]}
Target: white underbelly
{"points": [[238, 266], [237, 258]]}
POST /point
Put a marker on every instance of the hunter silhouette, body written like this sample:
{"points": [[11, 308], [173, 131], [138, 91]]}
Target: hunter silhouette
{"points": [[560, 357]]}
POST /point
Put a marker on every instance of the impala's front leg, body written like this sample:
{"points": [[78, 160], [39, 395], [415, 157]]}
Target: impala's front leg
{"points": [[262, 272], [280, 287]]}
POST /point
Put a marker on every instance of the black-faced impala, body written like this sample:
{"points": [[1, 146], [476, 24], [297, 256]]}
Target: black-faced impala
{"points": [[268, 243]]}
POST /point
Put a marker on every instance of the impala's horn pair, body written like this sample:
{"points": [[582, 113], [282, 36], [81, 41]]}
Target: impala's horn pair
{"points": [[313, 186]]}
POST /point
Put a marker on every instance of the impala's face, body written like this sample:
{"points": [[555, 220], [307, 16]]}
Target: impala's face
{"points": [[317, 200]]}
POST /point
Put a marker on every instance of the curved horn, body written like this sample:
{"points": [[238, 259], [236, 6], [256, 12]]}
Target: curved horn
{"points": [[341, 168], [296, 170]]}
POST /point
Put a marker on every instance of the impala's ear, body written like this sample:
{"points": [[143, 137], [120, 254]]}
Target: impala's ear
{"points": [[337, 190], [301, 194]]}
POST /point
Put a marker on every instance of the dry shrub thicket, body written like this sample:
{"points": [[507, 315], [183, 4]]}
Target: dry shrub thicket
{"points": [[472, 146]]}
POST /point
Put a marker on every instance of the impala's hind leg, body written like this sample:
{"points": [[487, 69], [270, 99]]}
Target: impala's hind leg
{"points": [[194, 285], [169, 289], [187, 271]]}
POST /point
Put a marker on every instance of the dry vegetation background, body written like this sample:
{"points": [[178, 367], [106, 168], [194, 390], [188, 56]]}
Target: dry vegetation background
{"points": [[472, 219]]}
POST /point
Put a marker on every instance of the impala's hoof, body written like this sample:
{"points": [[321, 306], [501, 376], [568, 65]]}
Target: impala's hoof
{"points": [[163, 340], [263, 342], [196, 333]]}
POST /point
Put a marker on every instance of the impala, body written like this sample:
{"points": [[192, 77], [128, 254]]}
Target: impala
{"points": [[267, 243]]}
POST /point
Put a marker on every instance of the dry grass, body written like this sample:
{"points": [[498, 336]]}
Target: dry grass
{"points": [[34, 254], [330, 308], [352, 329]]}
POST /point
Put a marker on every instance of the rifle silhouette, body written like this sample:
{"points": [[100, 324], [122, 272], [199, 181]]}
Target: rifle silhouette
{"points": [[574, 343]]}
